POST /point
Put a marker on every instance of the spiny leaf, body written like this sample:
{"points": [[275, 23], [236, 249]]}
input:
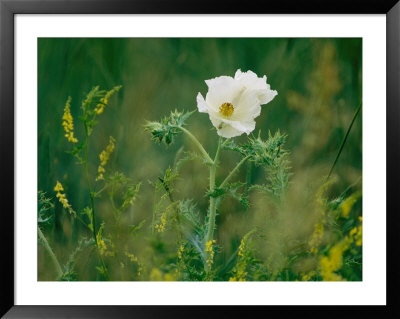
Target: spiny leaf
{"points": [[168, 127], [45, 208]]}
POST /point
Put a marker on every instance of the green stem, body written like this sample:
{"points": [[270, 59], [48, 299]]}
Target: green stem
{"points": [[51, 253], [213, 210], [92, 200], [89, 185], [103, 189], [198, 144], [234, 171], [344, 140], [154, 208]]}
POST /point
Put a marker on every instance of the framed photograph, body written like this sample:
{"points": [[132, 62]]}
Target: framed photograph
{"points": [[165, 158]]}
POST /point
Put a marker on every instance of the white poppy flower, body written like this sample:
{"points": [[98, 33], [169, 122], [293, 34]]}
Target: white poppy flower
{"points": [[234, 103]]}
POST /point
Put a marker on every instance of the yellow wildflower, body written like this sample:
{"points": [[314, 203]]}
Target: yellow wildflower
{"points": [[58, 187], [316, 239], [104, 100], [240, 275], [242, 248], [308, 276], [131, 257], [135, 259], [180, 251], [163, 222], [210, 250], [100, 241], [333, 262], [102, 246], [348, 203], [63, 198], [68, 122], [104, 157], [356, 234]]}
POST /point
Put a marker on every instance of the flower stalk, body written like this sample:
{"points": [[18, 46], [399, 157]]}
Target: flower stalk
{"points": [[226, 180], [213, 206], [92, 200], [198, 144]]}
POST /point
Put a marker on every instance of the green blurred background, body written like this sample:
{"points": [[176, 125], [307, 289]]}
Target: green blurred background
{"points": [[319, 89]]}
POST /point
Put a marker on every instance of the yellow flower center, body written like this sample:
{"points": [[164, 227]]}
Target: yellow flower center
{"points": [[226, 109]]}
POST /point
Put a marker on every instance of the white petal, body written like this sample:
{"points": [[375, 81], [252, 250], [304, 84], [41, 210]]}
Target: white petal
{"points": [[228, 131], [224, 129], [201, 104], [247, 105], [215, 120], [249, 125], [242, 126], [238, 74], [250, 80], [266, 96], [220, 90]]}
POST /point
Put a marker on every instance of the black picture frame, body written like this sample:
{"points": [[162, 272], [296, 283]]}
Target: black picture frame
{"points": [[8, 10]]}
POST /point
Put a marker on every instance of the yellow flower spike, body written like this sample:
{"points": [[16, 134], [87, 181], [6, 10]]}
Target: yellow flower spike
{"points": [[104, 157], [102, 246], [333, 262], [99, 108], [210, 249], [131, 257], [242, 248], [104, 100], [240, 275], [68, 122], [100, 241], [348, 204], [356, 235], [58, 187], [163, 223], [316, 239], [180, 252], [63, 198]]}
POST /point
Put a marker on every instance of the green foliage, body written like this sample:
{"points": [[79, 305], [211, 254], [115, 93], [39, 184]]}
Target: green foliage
{"points": [[191, 226], [93, 105], [69, 273], [45, 209], [236, 190], [247, 267], [122, 192], [166, 129], [269, 154]]}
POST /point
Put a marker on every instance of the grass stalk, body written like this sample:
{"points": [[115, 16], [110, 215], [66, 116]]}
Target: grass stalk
{"points": [[50, 252], [344, 140]]}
